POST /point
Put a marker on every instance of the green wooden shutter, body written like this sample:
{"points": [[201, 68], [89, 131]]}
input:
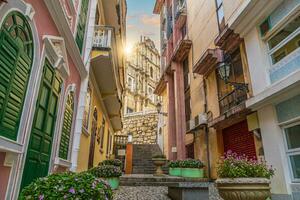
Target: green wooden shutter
{"points": [[67, 127], [15, 65], [42, 131], [82, 24]]}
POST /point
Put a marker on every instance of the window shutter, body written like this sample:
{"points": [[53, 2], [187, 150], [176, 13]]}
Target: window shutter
{"points": [[15, 64], [67, 127], [82, 24]]}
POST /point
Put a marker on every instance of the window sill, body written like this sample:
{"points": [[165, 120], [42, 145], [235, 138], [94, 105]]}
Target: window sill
{"points": [[10, 145], [62, 162]]}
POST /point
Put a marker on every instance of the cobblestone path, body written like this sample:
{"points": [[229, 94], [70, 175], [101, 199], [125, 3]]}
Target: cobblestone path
{"points": [[141, 193]]}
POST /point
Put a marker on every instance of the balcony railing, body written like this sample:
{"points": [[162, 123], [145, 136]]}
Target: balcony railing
{"points": [[232, 99], [180, 9], [102, 37]]}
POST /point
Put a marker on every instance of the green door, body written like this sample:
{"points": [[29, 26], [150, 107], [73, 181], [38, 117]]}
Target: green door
{"points": [[40, 143]]}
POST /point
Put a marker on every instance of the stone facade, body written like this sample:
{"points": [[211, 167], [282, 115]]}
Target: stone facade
{"points": [[142, 126], [142, 73]]}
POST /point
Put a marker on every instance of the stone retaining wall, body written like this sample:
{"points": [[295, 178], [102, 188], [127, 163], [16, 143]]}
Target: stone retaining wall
{"points": [[142, 125]]}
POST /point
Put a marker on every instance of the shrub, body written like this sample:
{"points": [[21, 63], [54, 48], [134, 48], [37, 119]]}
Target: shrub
{"points": [[67, 186], [191, 163], [174, 164], [159, 156], [114, 162], [106, 171], [233, 166]]}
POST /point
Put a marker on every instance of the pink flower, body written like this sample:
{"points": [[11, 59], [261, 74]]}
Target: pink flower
{"points": [[41, 197]]}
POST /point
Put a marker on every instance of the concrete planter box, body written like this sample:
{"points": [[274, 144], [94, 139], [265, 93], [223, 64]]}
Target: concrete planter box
{"points": [[175, 171], [159, 162], [114, 182], [244, 188], [192, 173]]}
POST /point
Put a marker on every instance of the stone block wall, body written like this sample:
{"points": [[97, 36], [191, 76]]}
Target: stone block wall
{"points": [[142, 126]]}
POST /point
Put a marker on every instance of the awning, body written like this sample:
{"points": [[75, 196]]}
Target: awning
{"points": [[104, 72]]}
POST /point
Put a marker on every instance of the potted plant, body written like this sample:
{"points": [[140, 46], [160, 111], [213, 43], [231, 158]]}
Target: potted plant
{"points": [[174, 168], [243, 178], [114, 162], [192, 168], [159, 161], [67, 186], [110, 173]]}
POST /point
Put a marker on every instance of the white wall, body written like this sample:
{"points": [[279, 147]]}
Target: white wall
{"points": [[273, 143]]}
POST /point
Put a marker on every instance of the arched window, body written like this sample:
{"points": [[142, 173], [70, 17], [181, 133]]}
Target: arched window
{"points": [[67, 127], [16, 57], [87, 107]]}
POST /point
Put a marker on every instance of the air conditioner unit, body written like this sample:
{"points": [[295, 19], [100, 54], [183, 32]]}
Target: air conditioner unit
{"points": [[201, 119], [190, 125]]}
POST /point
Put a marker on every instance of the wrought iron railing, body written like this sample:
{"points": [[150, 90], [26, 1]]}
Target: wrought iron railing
{"points": [[180, 9], [232, 99], [102, 37]]}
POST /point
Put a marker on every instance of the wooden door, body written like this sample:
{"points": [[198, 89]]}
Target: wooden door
{"points": [[93, 139], [40, 142]]}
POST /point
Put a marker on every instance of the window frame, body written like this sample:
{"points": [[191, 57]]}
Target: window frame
{"points": [[221, 26], [290, 152]]}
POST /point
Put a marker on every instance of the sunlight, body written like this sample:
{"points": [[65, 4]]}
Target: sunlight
{"points": [[128, 49]]}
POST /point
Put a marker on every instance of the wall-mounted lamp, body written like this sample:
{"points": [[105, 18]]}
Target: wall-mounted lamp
{"points": [[159, 108]]}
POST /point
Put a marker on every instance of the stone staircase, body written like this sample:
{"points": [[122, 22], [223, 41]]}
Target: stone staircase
{"points": [[142, 158]]}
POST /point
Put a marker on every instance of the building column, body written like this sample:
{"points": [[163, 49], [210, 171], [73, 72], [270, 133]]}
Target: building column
{"points": [[179, 110], [171, 117]]}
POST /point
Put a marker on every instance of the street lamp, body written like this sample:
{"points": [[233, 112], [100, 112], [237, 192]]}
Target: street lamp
{"points": [[159, 108], [223, 69]]}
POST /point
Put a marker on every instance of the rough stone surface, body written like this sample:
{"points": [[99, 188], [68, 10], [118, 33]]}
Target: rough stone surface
{"points": [[141, 193], [142, 126]]}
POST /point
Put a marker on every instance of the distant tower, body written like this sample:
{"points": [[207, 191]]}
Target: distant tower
{"points": [[142, 73]]}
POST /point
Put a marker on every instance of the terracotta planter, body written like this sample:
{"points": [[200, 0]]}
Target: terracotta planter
{"points": [[159, 162], [244, 188]]}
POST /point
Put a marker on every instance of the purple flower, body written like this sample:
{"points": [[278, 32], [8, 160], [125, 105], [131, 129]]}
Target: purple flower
{"points": [[41, 197], [72, 190]]}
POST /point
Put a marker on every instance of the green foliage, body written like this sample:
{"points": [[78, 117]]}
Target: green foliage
{"points": [[106, 171], [114, 162], [159, 156], [174, 164], [234, 166], [191, 163], [67, 186]]}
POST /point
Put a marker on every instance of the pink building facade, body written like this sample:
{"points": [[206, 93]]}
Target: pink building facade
{"points": [[42, 51]]}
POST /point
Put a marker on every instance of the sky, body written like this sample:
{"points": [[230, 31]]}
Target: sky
{"points": [[141, 21]]}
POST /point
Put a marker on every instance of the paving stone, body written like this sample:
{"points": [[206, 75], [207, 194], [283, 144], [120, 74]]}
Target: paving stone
{"points": [[141, 193]]}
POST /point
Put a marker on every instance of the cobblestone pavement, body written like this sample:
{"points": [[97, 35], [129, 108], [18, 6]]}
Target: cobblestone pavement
{"points": [[141, 193]]}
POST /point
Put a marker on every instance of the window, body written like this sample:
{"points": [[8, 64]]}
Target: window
{"points": [[220, 14], [186, 75], [151, 72], [16, 56], [129, 110], [87, 108], [292, 138], [285, 41], [150, 94], [82, 24], [67, 127], [102, 132]]}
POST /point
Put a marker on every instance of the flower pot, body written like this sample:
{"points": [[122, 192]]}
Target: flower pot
{"points": [[159, 162], [113, 182], [244, 188], [192, 173], [175, 171]]}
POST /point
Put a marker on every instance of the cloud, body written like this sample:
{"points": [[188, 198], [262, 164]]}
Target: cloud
{"points": [[150, 20]]}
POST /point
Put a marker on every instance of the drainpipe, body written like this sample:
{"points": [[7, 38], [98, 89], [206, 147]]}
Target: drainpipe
{"points": [[206, 130]]}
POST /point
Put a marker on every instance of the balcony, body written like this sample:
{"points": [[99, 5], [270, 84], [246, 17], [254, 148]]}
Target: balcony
{"points": [[182, 50], [102, 38], [232, 100], [105, 69], [286, 66]]}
